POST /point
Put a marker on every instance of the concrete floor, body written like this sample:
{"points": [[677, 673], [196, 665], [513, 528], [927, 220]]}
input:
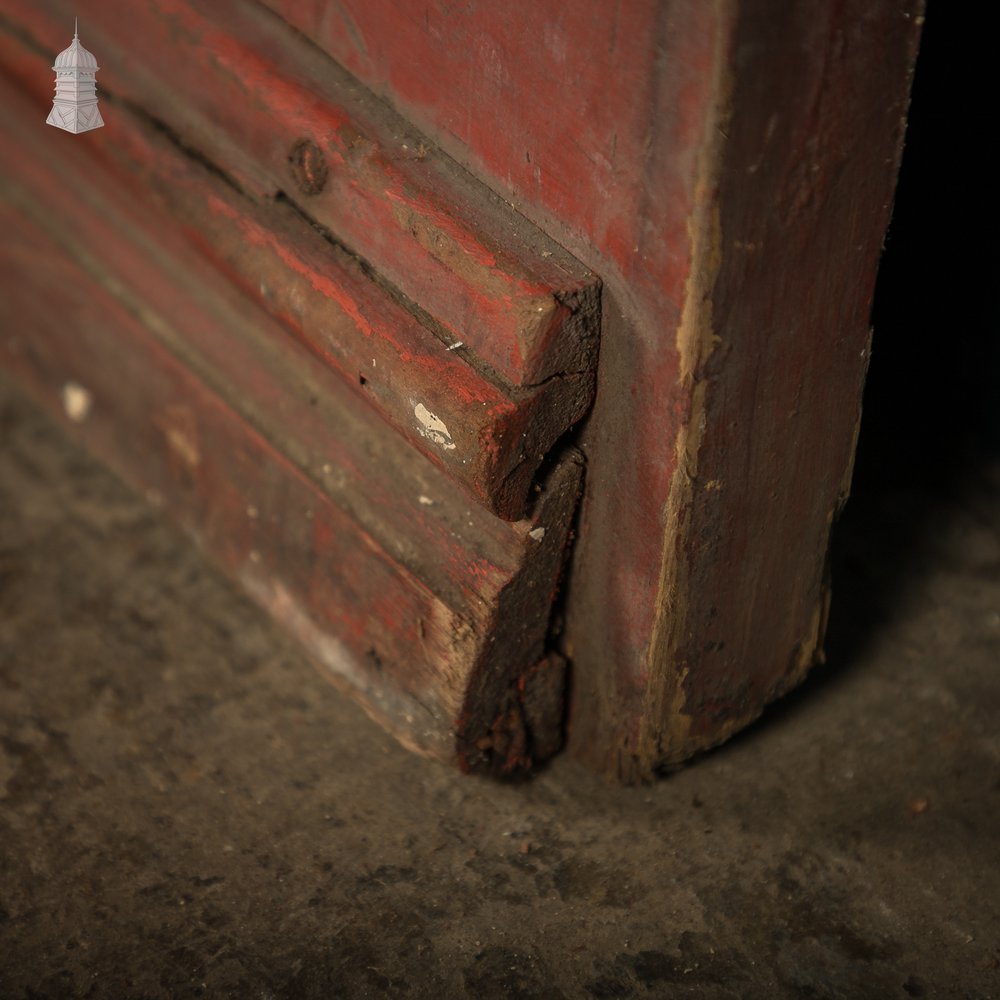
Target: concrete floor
{"points": [[188, 809]]}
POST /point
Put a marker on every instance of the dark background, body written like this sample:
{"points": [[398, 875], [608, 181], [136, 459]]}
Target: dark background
{"points": [[931, 406], [930, 434]]}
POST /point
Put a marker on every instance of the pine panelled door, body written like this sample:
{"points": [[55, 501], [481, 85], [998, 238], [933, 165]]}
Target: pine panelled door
{"points": [[510, 355]]}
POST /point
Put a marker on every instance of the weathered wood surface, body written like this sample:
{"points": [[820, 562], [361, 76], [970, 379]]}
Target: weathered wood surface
{"points": [[431, 609], [727, 168], [793, 208], [268, 110], [491, 436]]}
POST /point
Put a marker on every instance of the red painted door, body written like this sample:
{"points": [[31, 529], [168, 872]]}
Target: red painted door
{"points": [[346, 277]]}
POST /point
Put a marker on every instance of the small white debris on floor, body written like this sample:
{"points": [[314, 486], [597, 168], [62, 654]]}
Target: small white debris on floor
{"points": [[426, 501], [77, 402], [537, 533]]}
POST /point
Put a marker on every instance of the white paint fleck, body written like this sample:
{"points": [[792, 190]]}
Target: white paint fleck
{"points": [[426, 501], [433, 428], [537, 533], [184, 446], [77, 402], [456, 345]]}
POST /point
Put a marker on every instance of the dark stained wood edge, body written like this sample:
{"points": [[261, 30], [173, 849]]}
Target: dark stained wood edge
{"points": [[514, 710]]}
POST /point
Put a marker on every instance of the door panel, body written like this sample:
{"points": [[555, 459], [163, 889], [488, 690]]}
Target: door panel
{"points": [[726, 168], [369, 479]]}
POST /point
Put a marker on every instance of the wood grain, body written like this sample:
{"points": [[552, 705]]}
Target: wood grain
{"points": [[727, 167], [492, 437], [422, 603], [253, 95]]}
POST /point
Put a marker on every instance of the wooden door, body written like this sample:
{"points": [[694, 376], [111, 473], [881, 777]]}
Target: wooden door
{"points": [[343, 279]]}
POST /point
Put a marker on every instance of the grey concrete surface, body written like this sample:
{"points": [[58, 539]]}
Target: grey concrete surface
{"points": [[187, 809]]}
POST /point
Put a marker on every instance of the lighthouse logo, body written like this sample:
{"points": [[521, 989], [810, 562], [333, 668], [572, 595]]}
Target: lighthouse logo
{"points": [[75, 106]]}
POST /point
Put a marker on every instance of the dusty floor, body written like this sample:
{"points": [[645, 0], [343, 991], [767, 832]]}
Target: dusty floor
{"points": [[188, 809]]}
